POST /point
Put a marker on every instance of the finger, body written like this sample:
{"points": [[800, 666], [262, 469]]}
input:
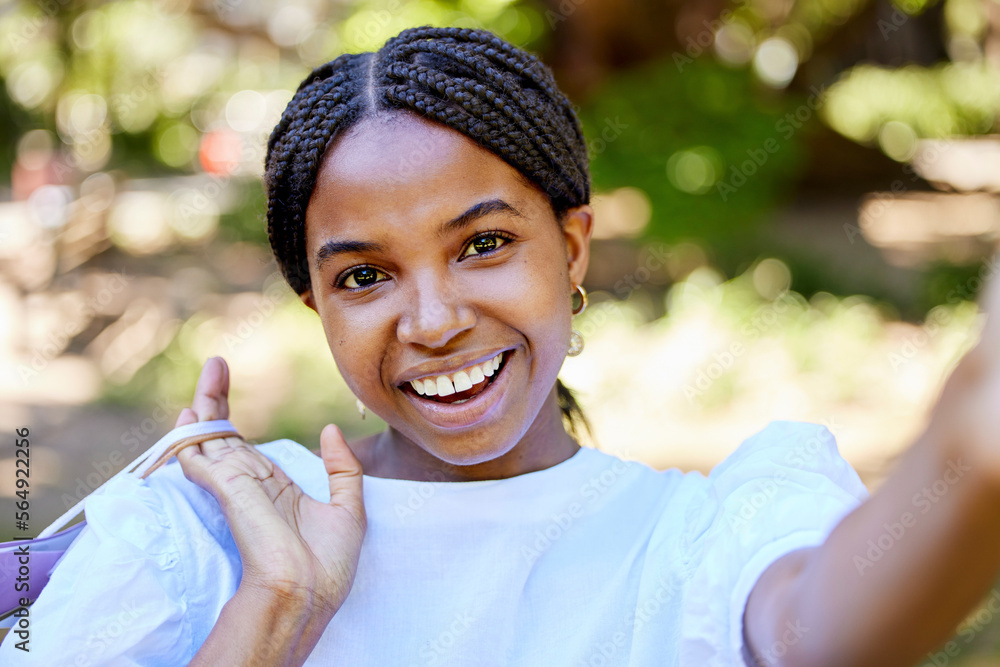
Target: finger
{"points": [[211, 396], [187, 416], [218, 447], [189, 456], [224, 397], [344, 470], [211, 449], [212, 401]]}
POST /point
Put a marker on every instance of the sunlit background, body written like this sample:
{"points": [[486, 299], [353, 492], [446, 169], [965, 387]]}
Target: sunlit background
{"points": [[796, 208]]}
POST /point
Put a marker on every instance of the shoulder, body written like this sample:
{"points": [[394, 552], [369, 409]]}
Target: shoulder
{"points": [[783, 488], [608, 471], [786, 451], [788, 469]]}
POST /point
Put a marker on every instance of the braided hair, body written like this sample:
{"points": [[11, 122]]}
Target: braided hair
{"points": [[469, 80]]}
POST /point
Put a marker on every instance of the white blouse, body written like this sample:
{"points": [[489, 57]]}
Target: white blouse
{"points": [[592, 562]]}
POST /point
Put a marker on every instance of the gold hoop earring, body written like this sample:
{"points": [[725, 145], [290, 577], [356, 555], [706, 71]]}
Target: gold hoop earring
{"points": [[583, 300], [576, 338], [361, 407]]}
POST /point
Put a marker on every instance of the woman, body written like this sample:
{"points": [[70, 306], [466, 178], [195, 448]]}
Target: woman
{"points": [[430, 203]]}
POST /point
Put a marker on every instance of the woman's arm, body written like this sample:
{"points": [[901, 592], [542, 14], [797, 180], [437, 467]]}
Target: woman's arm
{"points": [[262, 628], [896, 576]]}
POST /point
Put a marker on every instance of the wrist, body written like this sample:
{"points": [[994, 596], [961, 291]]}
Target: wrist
{"points": [[293, 617], [258, 626], [285, 600]]}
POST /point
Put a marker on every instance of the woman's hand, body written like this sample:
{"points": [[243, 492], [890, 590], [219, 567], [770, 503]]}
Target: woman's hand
{"points": [[292, 546]]}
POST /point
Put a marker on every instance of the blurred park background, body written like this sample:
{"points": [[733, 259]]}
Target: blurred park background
{"points": [[796, 208]]}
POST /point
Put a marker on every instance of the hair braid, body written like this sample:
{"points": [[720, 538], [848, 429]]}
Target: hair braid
{"points": [[322, 105], [524, 98], [464, 92], [467, 79]]}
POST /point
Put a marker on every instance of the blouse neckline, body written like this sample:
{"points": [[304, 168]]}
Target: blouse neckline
{"points": [[392, 482]]}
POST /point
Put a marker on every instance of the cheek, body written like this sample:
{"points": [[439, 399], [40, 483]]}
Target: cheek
{"points": [[529, 295], [356, 343], [527, 282]]}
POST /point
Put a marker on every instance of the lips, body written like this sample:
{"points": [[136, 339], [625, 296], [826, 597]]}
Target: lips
{"points": [[468, 407]]}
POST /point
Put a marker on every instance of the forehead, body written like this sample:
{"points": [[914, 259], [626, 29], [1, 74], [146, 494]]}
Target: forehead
{"points": [[401, 167]]}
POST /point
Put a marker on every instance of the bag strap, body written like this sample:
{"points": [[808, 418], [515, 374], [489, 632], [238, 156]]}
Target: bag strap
{"points": [[154, 457], [224, 430]]}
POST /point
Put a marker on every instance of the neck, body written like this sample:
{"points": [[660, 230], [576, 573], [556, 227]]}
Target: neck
{"points": [[545, 444]]}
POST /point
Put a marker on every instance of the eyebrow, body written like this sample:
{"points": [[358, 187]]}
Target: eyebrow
{"points": [[332, 248]]}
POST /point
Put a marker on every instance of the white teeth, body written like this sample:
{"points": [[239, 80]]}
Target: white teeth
{"points": [[444, 386], [492, 364], [462, 381]]}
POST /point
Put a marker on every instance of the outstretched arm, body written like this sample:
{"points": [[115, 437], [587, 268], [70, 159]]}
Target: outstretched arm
{"points": [[896, 576]]}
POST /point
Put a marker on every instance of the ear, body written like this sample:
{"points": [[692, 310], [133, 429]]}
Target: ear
{"points": [[577, 227], [307, 298]]}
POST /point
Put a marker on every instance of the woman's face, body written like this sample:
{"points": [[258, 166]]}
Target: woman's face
{"points": [[429, 255]]}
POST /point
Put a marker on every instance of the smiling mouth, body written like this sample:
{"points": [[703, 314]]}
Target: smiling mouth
{"points": [[432, 386]]}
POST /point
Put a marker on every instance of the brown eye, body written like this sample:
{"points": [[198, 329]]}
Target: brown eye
{"points": [[362, 277], [485, 243]]}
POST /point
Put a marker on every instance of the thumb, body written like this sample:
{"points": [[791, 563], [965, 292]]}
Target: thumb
{"points": [[344, 470]]}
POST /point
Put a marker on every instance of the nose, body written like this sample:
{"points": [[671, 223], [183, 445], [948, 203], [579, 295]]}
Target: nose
{"points": [[435, 312]]}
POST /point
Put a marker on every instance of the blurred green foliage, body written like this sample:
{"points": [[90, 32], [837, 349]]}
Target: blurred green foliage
{"points": [[947, 100], [164, 71], [652, 127]]}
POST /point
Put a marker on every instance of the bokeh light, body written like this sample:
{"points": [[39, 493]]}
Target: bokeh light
{"points": [[138, 222], [776, 62], [735, 42], [897, 140], [694, 170]]}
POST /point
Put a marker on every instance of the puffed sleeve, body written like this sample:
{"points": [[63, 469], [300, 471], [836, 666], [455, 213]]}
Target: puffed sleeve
{"points": [[782, 489], [119, 595]]}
